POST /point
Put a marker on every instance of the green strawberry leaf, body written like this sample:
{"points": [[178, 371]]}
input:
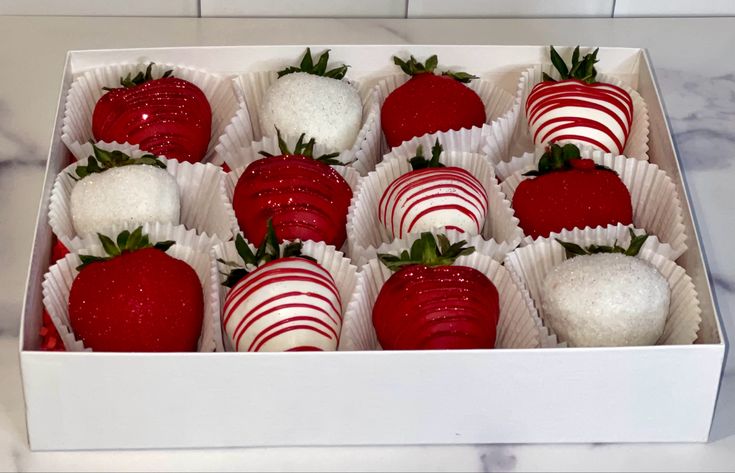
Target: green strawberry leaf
{"points": [[429, 251]]}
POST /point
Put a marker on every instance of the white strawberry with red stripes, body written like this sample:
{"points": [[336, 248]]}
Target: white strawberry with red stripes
{"points": [[577, 109], [433, 196], [288, 303]]}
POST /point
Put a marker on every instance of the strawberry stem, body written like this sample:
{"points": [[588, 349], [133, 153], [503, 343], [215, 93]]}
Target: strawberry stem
{"points": [[412, 67], [636, 243], [104, 160], [582, 70], [269, 250], [559, 158], [303, 149], [420, 162], [318, 69], [140, 78], [126, 242], [428, 251]]}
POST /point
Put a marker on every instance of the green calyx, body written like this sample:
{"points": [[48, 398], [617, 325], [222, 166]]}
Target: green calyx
{"points": [[126, 242], [582, 70], [303, 149], [636, 243], [559, 158], [140, 78], [318, 69], [269, 250], [104, 160], [412, 67], [428, 251], [420, 162]]}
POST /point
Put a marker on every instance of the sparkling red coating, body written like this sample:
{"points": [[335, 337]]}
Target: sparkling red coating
{"points": [[428, 103], [306, 200], [437, 308], [167, 117], [141, 301]]}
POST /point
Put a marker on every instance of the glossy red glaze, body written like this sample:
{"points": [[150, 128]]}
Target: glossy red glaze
{"points": [[428, 103], [436, 308], [167, 117], [141, 301], [307, 200]]}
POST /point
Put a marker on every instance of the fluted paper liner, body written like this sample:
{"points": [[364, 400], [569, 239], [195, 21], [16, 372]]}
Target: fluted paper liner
{"points": [[204, 206], [656, 205], [87, 89], [244, 128], [637, 144], [335, 262], [518, 326], [502, 115], [365, 233], [189, 247], [532, 263]]}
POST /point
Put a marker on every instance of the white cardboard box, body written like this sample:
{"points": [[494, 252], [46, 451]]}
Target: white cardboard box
{"points": [[120, 401]]}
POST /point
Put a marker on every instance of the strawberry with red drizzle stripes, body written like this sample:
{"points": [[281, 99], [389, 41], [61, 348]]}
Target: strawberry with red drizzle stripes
{"points": [[433, 196], [304, 196], [428, 103], [430, 304], [569, 192], [577, 109], [167, 116], [281, 300]]}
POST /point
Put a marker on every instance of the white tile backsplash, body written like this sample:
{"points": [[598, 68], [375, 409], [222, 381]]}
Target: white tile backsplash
{"points": [[100, 7], [625, 8], [305, 8], [508, 8]]}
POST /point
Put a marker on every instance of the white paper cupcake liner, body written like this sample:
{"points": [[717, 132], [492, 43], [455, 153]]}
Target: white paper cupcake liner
{"points": [[518, 326], [335, 262], [204, 206], [244, 128], [189, 247], [502, 115], [532, 264], [635, 147], [365, 233], [656, 205], [87, 89]]}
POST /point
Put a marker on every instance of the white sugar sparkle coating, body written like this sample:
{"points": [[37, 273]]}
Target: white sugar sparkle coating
{"points": [[606, 300], [328, 110], [129, 194]]}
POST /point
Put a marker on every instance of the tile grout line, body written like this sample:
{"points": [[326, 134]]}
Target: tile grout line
{"points": [[612, 13]]}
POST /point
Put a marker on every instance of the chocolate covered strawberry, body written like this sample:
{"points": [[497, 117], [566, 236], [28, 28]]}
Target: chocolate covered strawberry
{"points": [[304, 196], [579, 109], [430, 304], [569, 192], [137, 299], [314, 100], [280, 300], [428, 103], [114, 189], [433, 196], [167, 116]]}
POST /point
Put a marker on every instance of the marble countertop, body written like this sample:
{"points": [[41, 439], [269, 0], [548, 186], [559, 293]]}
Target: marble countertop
{"points": [[695, 68]]}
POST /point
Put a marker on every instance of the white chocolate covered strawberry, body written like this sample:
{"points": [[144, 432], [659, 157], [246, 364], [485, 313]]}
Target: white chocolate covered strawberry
{"points": [[433, 196], [577, 109], [114, 189], [313, 100], [290, 303]]}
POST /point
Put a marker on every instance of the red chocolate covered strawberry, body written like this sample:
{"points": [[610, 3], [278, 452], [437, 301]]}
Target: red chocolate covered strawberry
{"points": [[569, 192], [430, 304], [428, 103], [168, 116], [288, 303], [139, 299], [304, 196], [578, 109], [433, 196]]}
